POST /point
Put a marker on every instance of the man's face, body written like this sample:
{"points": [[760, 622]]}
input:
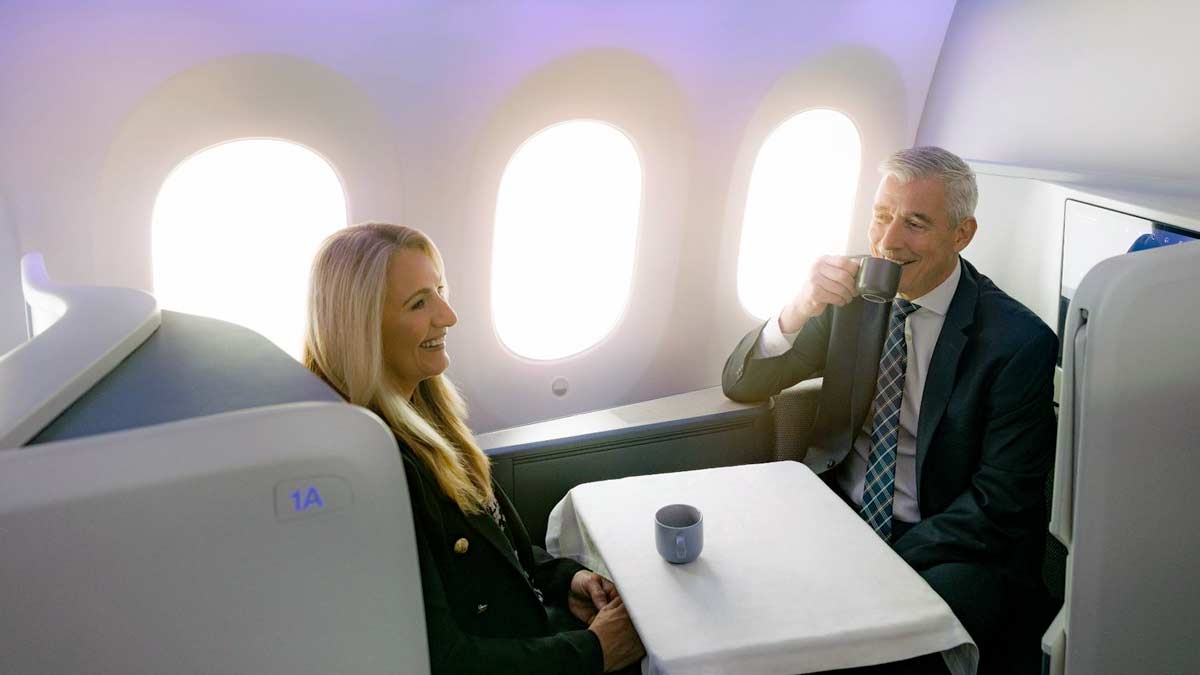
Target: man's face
{"points": [[910, 226]]}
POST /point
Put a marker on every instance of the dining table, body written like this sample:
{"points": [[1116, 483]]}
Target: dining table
{"points": [[790, 579]]}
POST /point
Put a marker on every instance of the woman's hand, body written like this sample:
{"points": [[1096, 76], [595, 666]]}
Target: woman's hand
{"points": [[589, 594], [619, 641]]}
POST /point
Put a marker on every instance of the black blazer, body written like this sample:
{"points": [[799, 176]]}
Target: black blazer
{"points": [[481, 612], [985, 432]]}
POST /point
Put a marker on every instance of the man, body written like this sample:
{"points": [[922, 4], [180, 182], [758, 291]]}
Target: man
{"points": [[943, 441]]}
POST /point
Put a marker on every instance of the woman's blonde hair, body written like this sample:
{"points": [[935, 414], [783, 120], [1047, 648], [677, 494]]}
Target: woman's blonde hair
{"points": [[343, 344]]}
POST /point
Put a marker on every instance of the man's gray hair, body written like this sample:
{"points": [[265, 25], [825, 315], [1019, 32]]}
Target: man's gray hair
{"points": [[933, 162]]}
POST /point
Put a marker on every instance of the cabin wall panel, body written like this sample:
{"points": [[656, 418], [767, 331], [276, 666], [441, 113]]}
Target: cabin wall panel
{"points": [[1019, 240], [579, 86], [541, 478], [868, 87], [250, 95], [82, 146], [12, 303], [1097, 86]]}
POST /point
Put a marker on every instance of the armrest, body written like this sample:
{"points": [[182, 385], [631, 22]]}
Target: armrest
{"points": [[795, 412]]}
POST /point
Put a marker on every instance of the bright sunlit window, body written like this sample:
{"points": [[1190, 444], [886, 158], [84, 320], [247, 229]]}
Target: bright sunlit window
{"points": [[798, 206], [235, 230], [566, 229]]}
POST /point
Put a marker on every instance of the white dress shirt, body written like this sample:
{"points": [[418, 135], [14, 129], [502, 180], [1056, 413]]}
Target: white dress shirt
{"points": [[921, 331]]}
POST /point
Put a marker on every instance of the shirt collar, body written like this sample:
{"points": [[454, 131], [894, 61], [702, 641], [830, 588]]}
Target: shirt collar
{"points": [[938, 300]]}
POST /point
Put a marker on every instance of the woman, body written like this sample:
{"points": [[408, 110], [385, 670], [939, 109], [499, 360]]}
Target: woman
{"points": [[377, 322]]}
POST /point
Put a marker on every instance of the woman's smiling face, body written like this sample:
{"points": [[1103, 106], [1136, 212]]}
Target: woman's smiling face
{"points": [[416, 316]]}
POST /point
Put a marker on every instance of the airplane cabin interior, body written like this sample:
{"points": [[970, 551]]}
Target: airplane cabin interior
{"points": [[617, 192]]}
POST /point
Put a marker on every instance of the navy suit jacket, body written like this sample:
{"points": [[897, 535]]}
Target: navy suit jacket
{"points": [[985, 431]]}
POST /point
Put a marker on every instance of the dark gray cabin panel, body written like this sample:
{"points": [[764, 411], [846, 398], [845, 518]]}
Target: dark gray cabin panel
{"points": [[543, 476]]}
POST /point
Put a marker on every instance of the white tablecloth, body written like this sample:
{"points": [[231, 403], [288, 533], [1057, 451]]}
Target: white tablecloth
{"points": [[791, 580]]}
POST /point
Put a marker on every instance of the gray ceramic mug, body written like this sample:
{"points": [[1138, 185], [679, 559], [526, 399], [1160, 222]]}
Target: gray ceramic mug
{"points": [[679, 533], [877, 279]]}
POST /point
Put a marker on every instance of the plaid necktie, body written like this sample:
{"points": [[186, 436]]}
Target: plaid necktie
{"points": [[880, 481]]}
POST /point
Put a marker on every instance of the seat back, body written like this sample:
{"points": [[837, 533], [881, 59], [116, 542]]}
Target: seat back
{"points": [[1054, 560], [1126, 465], [275, 540]]}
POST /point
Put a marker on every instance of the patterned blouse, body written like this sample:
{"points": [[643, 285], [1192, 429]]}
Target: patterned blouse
{"points": [[493, 509]]}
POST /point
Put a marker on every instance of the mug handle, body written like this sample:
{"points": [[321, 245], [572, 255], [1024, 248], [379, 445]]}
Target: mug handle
{"points": [[680, 547]]}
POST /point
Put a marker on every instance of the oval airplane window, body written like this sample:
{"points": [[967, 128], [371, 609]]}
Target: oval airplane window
{"points": [[234, 232], [565, 234], [798, 206]]}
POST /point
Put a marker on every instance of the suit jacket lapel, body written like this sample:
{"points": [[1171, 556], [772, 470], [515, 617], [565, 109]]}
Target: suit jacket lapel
{"points": [[485, 527], [943, 366]]}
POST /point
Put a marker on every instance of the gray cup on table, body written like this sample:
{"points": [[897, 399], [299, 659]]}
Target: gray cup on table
{"points": [[679, 533]]}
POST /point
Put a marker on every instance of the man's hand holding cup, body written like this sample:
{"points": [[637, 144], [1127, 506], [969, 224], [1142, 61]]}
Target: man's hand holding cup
{"points": [[830, 281]]}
